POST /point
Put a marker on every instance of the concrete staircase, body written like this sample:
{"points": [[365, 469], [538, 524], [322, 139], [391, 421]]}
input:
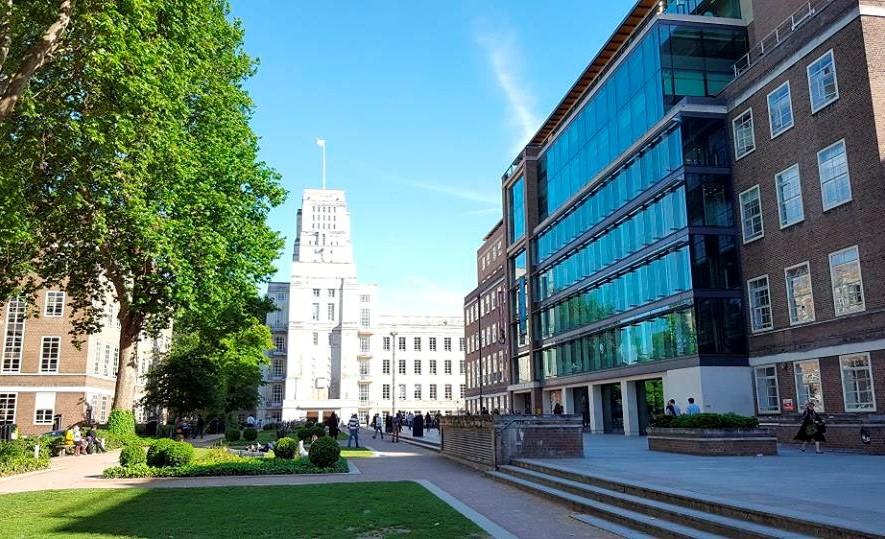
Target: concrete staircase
{"points": [[635, 510]]}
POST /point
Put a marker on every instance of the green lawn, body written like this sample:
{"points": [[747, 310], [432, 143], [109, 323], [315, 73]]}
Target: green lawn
{"points": [[358, 452], [359, 510]]}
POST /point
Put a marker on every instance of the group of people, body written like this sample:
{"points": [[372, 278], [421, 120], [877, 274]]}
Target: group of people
{"points": [[394, 424], [672, 409], [334, 423], [83, 444]]}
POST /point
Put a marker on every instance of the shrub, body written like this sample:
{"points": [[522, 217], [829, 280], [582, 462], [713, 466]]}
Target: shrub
{"points": [[285, 448], [250, 434], [17, 456], [215, 455], [132, 455], [165, 431], [324, 452], [270, 426], [232, 435], [246, 466], [168, 452], [121, 422], [318, 430], [707, 421], [304, 433]]}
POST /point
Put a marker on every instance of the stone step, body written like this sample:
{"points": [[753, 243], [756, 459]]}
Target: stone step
{"points": [[420, 443], [634, 520], [793, 521], [712, 523], [611, 527]]}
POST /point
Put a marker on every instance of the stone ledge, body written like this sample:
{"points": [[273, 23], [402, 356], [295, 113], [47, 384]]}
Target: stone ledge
{"points": [[713, 442]]}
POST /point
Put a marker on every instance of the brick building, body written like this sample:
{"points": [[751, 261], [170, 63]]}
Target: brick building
{"points": [[485, 329], [46, 382]]}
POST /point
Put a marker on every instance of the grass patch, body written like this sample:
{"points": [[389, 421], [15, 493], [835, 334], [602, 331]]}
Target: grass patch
{"points": [[357, 452], [357, 510]]}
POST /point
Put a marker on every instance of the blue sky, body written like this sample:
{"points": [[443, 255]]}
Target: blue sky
{"points": [[424, 105]]}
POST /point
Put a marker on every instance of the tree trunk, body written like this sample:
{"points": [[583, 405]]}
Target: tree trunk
{"points": [[127, 367]]}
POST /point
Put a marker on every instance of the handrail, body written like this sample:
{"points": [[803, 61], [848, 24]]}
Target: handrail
{"points": [[780, 34]]}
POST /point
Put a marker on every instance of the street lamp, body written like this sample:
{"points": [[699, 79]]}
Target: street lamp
{"points": [[393, 374]]}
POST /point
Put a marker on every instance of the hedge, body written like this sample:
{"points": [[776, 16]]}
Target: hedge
{"points": [[255, 466], [250, 434], [17, 456], [121, 423], [232, 435], [324, 452], [707, 421], [168, 452], [132, 455]]}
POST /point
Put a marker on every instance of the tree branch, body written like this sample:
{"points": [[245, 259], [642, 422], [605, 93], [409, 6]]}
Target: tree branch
{"points": [[5, 32], [36, 57]]}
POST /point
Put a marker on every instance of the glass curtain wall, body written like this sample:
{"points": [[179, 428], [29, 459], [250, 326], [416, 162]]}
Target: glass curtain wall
{"points": [[516, 199]]}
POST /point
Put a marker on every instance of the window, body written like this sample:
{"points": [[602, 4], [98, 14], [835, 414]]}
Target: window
{"points": [[402, 392], [461, 344], [107, 360], [744, 135], [364, 344], [432, 345], [823, 87], [364, 368], [751, 214], [316, 338], [385, 344], [847, 281], [278, 368], [447, 367], [279, 343], [417, 343], [432, 366], [461, 391], [364, 298], [447, 344], [401, 343], [461, 367], [417, 393], [315, 311], [385, 366], [330, 292], [385, 391], [331, 338], [14, 335], [789, 196], [447, 392], [330, 312], [433, 392], [767, 399], [857, 383], [417, 366], [316, 292], [364, 392], [365, 318], [808, 383], [55, 303], [276, 393], [401, 366], [7, 408], [49, 352], [780, 109], [800, 300], [760, 304], [835, 183]]}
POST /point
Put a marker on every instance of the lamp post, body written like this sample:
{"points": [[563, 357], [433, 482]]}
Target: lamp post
{"points": [[393, 374]]}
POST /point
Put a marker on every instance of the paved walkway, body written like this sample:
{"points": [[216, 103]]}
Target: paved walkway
{"points": [[518, 512]]}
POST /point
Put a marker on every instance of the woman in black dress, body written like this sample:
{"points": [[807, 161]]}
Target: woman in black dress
{"points": [[812, 428]]}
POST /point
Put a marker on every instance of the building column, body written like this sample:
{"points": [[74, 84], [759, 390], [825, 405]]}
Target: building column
{"points": [[597, 421], [628, 404], [568, 402], [319, 417]]}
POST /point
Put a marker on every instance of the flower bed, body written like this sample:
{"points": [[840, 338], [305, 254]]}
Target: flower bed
{"points": [[711, 435], [241, 466]]}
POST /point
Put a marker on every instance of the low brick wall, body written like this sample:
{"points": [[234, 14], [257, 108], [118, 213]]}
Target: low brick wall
{"points": [[713, 442], [841, 434], [490, 441]]}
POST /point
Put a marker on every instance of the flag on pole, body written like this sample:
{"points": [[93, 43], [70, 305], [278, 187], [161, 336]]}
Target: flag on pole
{"points": [[321, 142]]}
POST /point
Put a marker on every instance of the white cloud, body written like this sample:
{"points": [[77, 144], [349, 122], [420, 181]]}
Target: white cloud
{"points": [[502, 52]]}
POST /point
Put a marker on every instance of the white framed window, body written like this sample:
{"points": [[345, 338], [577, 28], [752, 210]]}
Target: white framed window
{"points": [[760, 304], [401, 366], [447, 344], [461, 344], [385, 344], [447, 392], [432, 367], [857, 383], [330, 312], [432, 345], [417, 366], [416, 343], [780, 109], [13, 336], [461, 367], [417, 393], [385, 366], [835, 181], [365, 318], [447, 366], [316, 292], [364, 393], [316, 338], [7, 408], [276, 393], [401, 343], [279, 344], [330, 292], [278, 368], [44, 408], [364, 368], [50, 348], [847, 281], [788, 185], [800, 297], [315, 311], [55, 303], [364, 344], [385, 391], [402, 392], [808, 383], [432, 392], [767, 397], [364, 298], [823, 84], [744, 134], [751, 214]]}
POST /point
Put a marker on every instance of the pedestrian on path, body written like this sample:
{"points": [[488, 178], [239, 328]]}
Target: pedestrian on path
{"points": [[377, 424], [428, 423], [201, 426], [332, 423], [812, 429], [692, 408], [397, 425], [353, 426]]}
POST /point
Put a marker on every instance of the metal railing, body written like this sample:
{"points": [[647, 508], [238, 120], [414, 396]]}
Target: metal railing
{"points": [[781, 33]]}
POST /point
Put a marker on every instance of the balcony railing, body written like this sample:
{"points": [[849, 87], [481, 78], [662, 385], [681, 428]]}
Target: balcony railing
{"points": [[781, 33]]}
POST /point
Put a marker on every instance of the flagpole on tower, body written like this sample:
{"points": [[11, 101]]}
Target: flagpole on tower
{"points": [[322, 144]]}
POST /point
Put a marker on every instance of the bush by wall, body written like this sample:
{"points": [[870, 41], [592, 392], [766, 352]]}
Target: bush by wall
{"points": [[285, 448], [17, 456], [246, 466], [168, 452], [324, 452], [121, 422], [232, 435], [132, 455], [250, 434], [706, 421]]}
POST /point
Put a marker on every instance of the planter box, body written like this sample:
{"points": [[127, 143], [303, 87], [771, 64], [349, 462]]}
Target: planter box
{"points": [[713, 442]]}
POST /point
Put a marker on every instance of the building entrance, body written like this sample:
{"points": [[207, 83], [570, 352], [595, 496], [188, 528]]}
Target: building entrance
{"points": [[581, 404], [522, 403], [649, 401], [612, 409]]}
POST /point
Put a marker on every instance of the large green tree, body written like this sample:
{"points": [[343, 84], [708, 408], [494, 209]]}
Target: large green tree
{"points": [[136, 171]]}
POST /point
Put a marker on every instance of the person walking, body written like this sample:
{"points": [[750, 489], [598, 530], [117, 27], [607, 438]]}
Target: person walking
{"points": [[353, 427], [428, 424], [692, 408], [332, 423], [812, 429], [397, 425], [377, 425], [201, 426]]}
